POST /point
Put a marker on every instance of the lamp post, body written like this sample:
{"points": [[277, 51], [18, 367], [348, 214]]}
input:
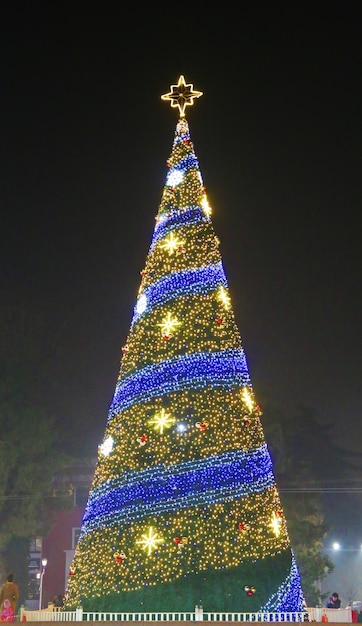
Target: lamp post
{"points": [[44, 563]]}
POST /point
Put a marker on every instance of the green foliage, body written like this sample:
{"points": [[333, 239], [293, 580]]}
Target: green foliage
{"points": [[216, 591], [29, 456], [301, 449]]}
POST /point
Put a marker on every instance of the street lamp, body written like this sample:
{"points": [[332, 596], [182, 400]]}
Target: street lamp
{"points": [[44, 563]]}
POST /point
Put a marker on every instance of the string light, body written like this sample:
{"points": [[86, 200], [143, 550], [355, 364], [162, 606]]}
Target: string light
{"points": [[162, 420], [150, 541], [172, 243]]}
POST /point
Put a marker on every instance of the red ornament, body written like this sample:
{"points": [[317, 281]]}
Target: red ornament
{"points": [[219, 320], [142, 440], [71, 572], [246, 421], [249, 590], [124, 349], [201, 426], [166, 337], [177, 540], [187, 142], [120, 558]]}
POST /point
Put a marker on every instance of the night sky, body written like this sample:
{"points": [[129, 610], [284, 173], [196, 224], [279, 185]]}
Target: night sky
{"points": [[84, 143]]}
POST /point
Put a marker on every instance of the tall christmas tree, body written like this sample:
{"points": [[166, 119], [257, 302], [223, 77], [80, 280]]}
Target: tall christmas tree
{"points": [[184, 507]]}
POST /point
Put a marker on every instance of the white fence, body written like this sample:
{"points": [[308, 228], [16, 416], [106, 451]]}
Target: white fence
{"points": [[47, 615], [199, 615]]}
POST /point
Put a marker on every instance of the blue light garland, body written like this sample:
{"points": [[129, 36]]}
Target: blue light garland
{"points": [[186, 163], [175, 219], [226, 368], [192, 282], [289, 596], [168, 488]]}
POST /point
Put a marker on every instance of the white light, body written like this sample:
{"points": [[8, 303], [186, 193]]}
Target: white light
{"points": [[107, 446], [174, 178], [336, 545], [181, 427], [44, 562], [141, 304]]}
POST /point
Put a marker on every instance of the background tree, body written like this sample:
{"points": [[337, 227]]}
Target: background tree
{"points": [[30, 453], [302, 450]]}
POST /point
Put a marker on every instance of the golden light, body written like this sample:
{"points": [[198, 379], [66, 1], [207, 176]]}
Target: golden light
{"points": [[169, 325], [149, 542], [206, 207], [275, 524], [181, 95], [224, 297], [162, 420], [247, 398], [171, 244]]}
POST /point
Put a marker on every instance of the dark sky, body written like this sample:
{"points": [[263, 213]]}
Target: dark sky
{"points": [[84, 141]]}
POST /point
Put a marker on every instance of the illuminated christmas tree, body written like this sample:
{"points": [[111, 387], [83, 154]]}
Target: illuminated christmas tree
{"points": [[184, 507]]}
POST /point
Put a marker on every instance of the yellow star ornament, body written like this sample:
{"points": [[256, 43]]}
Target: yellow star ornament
{"points": [[161, 421], [275, 524], [246, 396], [149, 542], [181, 95], [168, 325], [171, 244], [224, 298]]}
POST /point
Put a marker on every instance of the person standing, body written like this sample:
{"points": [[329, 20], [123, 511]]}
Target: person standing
{"points": [[9, 591], [334, 601]]}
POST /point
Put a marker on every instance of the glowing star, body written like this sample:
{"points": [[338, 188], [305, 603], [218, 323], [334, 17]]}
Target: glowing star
{"points": [[161, 421], [141, 304], [247, 398], [107, 446], [224, 297], [168, 325], [275, 524], [174, 178], [206, 207], [150, 542], [181, 95], [172, 244]]}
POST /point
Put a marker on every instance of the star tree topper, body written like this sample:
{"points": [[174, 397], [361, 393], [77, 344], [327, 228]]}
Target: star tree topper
{"points": [[181, 95]]}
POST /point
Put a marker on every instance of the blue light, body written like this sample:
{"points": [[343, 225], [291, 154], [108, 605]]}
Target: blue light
{"points": [[175, 219], [178, 285], [289, 596], [225, 368], [160, 489]]}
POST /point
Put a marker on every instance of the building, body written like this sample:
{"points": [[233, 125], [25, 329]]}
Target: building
{"points": [[59, 545]]}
